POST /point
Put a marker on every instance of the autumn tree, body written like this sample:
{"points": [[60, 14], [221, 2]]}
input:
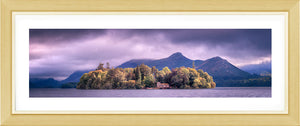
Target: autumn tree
{"points": [[129, 73], [100, 66], [145, 71], [115, 76], [107, 65], [180, 77]]}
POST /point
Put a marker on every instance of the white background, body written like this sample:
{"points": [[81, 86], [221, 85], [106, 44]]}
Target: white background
{"points": [[21, 71]]}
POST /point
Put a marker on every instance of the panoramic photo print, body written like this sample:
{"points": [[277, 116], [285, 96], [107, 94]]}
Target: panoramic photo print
{"points": [[203, 63]]}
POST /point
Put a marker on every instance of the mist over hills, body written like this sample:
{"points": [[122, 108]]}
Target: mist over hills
{"points": [[263, 69], [223, 72]]}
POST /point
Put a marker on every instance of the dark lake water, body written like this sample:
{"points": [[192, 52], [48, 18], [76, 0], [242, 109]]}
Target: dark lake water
{"points": [[215, 92]]}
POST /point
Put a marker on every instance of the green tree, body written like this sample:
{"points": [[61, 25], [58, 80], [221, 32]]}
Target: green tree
{"points": [[166, 74], [194, 65], [149, 81], [201, 72], [154, 70], [166, 70], [160, 76], [193, 74], [180, 78], [145, 71], [128, 84], [115, 77], [197, 83], [138, 75], [138, 78], [83, 81]]}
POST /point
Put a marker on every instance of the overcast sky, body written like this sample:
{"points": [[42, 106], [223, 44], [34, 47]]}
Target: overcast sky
{"points": [[56, 53]]}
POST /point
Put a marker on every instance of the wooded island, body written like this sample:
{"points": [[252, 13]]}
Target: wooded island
{"points": [[144, 77]]}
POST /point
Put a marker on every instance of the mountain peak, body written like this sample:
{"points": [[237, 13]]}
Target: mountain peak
{"points": [[216, 58], [177, 54]]}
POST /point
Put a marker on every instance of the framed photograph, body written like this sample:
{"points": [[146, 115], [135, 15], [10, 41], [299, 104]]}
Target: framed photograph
{"points": [[191, 62], [105, 63]]}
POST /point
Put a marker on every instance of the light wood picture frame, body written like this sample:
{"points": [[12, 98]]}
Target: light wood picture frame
{"points": [[8, 7]]}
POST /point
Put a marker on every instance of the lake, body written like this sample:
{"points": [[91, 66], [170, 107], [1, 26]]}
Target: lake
{"points": [[214, 92]]}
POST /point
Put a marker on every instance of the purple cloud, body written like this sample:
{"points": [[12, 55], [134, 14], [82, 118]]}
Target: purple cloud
{"points": [[59, 52]]}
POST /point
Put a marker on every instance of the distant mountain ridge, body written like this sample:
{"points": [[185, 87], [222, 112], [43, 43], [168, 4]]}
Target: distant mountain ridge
{"points": [[75, 76], [217, 67], [161, 63], [52, 83], [221, 69]]}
